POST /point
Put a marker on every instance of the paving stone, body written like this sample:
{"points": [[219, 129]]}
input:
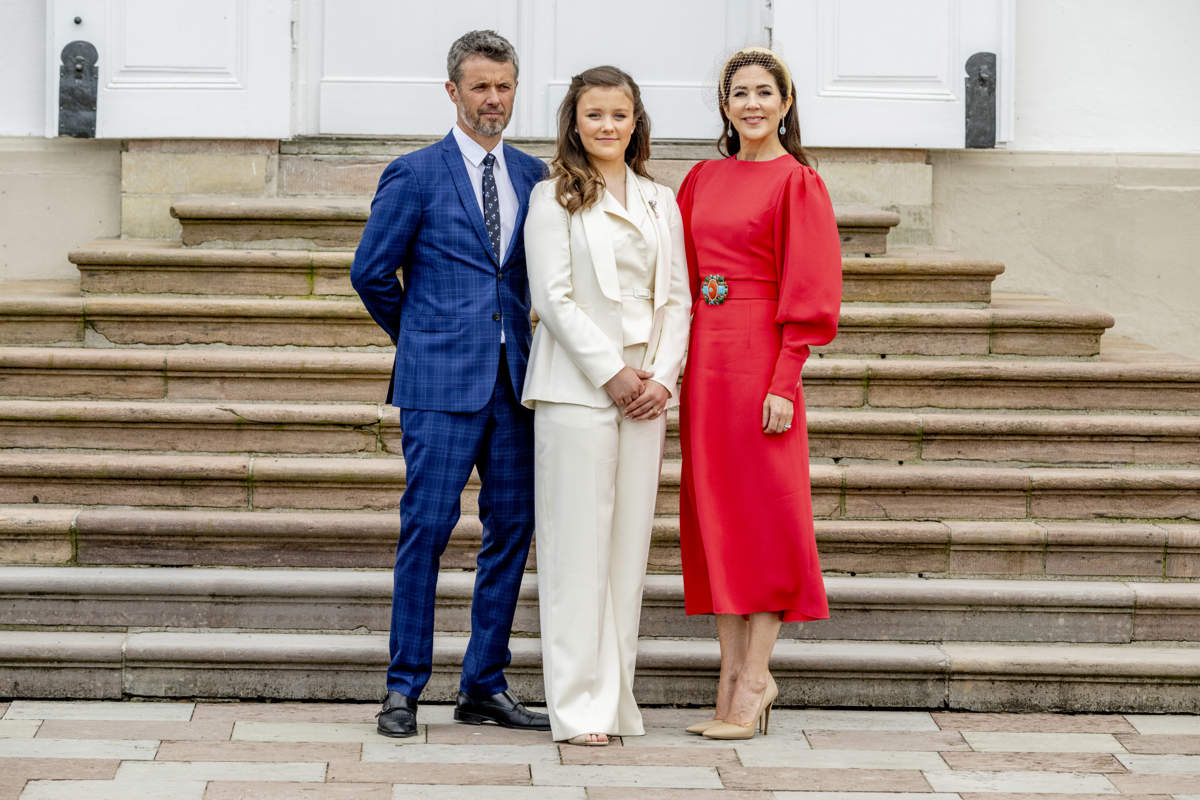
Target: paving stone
{"points": [[1037, 762], [656, 777], [865, 796], [392, 751], [1160, 744], [288, 712], [784, 755], [114, 790], [1165, 723], [818, 719], [136, 729], [675, 737], [452, 774], [129, 750], [3, 709], [413, 792], [1149, 784], [457, 733], [1162, 765], [11, 787], [59, 768], [258, 751], [1024, 796], [18, 728], [625, 793], [825, 780], [1042, 723], [724, 756], [260, 790], [1017, 782], [887, 740], [220, 770], [250, 731], [100, 709], [1007, 742]]}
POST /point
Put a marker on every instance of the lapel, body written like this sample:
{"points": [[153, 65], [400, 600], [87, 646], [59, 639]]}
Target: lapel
{"points": [[596, 229], [458, 173], [662, 267], [522, 181]]}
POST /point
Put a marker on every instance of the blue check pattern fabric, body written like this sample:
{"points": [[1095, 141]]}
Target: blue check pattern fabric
{"points": [[491, 204]]}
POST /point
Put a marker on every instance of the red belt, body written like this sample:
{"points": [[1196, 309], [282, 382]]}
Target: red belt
{"points": [[715, 289]]}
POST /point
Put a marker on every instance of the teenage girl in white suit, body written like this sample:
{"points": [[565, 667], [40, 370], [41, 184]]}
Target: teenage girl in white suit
{"points": [[608, 279]]}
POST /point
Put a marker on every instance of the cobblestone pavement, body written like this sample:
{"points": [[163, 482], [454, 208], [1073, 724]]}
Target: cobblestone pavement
{"points": [[221, 751]]}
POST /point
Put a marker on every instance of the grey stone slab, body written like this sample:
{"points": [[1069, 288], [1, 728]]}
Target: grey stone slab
{"points": [[1030, 742], [865, 796], [101, 710], [393, 751], [19, 728], [785, 754], [648, 777], [1017, 782], [1165, 723], [414, 792], [1162, 765], [142, 789], [126, 749], [302, 772], [881, 720]]}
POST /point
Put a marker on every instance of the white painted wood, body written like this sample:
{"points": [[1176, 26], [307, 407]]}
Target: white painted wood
{"points": [[221, 68], [672, 48], [876, 73]]}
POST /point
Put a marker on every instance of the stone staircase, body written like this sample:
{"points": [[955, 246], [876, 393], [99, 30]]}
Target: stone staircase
{"points": [[198, 486]]}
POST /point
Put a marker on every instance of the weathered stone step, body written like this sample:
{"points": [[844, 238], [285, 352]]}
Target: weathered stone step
{"points": [[337, 222], [329, 601], [122, 266], [984, 676], [1125, 377], [839, 491], [944, 548], [1013, 325], [312, 428]]}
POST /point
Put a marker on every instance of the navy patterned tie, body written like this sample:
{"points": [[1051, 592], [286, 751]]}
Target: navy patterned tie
{"points": [[491, 203]]}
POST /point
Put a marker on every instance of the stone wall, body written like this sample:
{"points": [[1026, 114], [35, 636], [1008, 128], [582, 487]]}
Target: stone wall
{"points": [[55, 194], [1116, 232]]}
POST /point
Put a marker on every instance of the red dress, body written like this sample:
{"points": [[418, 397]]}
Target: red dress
{"points": [[746, 523]]}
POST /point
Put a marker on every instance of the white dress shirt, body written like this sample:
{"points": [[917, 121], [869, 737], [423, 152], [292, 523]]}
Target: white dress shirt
{"points": [[635, 249], [473, 154]]}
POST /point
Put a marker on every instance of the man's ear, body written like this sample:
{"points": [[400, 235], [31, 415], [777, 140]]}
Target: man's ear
{"points": [[452, 90]]}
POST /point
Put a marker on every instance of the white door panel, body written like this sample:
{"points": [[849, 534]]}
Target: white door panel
{"points": [[221, 68], [877, 73]]}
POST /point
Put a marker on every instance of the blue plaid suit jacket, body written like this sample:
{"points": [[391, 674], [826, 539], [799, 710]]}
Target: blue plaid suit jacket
{"points": [[446, 316]]}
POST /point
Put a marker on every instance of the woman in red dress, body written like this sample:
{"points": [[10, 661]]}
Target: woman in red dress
{"points": [[765, 264]]}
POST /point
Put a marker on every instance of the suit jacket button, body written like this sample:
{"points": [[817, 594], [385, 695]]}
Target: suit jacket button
{"points": [[496, 317]]}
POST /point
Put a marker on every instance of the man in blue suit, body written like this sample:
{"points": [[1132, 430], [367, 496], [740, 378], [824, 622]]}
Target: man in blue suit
{"points": [[449, 217]]}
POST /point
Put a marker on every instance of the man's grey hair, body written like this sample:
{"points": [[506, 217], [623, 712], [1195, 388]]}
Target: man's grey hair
{"points": [[488, 44]]}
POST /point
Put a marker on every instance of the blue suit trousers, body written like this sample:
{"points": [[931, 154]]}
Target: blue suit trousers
{"points": [[440, 449]]}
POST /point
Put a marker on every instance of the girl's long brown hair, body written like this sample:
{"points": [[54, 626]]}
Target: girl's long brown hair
{"points": [[730, 144], [578, 184]]}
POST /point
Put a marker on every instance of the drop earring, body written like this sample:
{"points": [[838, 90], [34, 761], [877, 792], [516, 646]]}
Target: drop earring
{"points": [[782, 129], [729, 131]]}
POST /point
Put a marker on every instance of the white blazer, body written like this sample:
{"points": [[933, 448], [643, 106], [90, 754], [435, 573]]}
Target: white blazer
{"points": [[577, 345]]}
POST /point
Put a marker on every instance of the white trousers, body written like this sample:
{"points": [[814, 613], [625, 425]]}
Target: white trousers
{"points": [[595, 483]]}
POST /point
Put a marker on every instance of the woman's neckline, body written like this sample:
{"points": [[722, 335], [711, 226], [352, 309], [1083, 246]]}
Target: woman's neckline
{"points": [[766, 161]]}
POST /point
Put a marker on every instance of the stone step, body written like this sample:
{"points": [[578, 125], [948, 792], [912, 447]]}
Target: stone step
{"points": [[1125, 377], [153, 266], [950, 548], [339, 483], [319, 428], [1012, 325], [337, 223], [345, 601], [982, 676]]}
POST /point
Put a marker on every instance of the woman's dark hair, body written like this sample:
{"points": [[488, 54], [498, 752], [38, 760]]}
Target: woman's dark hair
{"points": [[578, 183], [730, 144]]}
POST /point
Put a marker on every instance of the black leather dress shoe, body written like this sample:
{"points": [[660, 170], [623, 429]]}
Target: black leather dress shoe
{"points": [[398, 717], [504, 709]]}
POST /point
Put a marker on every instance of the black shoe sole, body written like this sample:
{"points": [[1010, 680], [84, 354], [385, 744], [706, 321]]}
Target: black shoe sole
{"points": [[469, 718], [391, 735]]}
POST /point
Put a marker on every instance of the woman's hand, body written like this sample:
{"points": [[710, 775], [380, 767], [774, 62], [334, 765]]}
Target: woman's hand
{"points": [[651, 403], [625, 386], [777, 414]]}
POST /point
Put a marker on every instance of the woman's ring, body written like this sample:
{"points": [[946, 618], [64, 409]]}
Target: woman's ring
{"points": [[787, 427]]}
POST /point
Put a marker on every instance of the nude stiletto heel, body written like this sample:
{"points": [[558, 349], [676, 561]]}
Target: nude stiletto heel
{"points": [[731, 730], [700, 727]]}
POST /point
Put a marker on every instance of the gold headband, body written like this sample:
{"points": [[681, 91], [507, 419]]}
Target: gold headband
{"points": [[768, 57]]}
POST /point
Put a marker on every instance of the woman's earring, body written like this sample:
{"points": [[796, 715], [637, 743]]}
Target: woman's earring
{"points": [[729, 132], [782, 129]]}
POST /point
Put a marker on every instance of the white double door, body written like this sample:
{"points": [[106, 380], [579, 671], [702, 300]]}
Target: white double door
{"points": [[869, 73]]}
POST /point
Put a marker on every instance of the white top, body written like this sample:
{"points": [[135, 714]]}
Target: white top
{"points": [[473, 154], [635, 249]]}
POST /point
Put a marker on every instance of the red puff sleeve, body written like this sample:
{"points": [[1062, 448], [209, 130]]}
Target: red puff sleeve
{"points": [[809, 259], [685, 197]]}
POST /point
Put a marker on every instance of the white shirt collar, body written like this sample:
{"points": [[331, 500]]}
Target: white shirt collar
{"points": [[473, 151]]}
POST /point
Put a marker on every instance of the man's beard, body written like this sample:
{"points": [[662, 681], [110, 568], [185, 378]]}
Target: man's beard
{"points": [[479, 126]]}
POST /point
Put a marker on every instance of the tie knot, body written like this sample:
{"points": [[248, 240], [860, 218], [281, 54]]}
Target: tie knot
{"points": [[489, 159]]}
